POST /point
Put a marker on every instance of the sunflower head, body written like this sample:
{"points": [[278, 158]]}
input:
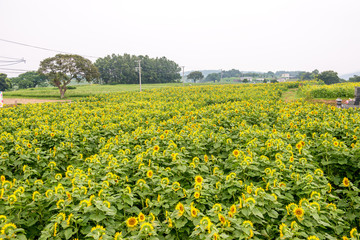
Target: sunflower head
{"points": [[131, 222], [197, 194], [141, 217], [198, 180], [149, 173], [146, 228], [299, 212], [346, 182]]}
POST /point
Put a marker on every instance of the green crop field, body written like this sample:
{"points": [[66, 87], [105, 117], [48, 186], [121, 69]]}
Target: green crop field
{"points": [[197, 162], [81, 90]]}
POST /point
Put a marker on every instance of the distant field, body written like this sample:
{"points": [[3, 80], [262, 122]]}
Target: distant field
{"points": [[81, 90]]}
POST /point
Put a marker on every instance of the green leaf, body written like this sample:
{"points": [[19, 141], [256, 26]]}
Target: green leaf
{"points": [[272, 213], [180, 222], [68, 233], [257, 212], [97, 217]]}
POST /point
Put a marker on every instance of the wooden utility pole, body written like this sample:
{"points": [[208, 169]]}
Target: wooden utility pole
{"points": [[139, 69]]}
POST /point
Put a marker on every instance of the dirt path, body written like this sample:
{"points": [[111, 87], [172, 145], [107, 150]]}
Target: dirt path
{"points": [[13, 101]]}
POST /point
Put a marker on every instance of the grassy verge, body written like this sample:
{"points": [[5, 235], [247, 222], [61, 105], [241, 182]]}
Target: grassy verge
{"points": [[81, 91]]}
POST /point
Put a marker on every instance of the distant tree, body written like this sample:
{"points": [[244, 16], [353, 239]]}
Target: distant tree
{"points": [[315, 72], [274, 81], [5, 82], [270, 74], [121, 69], [306, 76], [213, 77], [329, 77], [63, 68], [355, 78], [30, 80], [196, 75], [265, 81], [245, 80]]}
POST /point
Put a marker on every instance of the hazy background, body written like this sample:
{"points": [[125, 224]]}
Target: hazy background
{"points": [[251, 35]]}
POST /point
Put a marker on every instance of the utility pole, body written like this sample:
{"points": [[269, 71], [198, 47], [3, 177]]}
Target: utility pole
{"points": [[183, 79], [139, 69]]}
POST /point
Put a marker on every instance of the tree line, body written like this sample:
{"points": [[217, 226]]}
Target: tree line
{"points": [[123, 69], [112, 69]]}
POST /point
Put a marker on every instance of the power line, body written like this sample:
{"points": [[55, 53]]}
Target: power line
{"points": [[15, 69], [10, 58], [9, 64], [10, 72], [42, 48], [11, 61]]}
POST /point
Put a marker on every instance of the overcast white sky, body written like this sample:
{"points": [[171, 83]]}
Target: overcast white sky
{"points": [[250, 35]]}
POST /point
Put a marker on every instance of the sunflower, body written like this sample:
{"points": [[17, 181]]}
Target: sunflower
{"points": [[180, 209], [12, 199], [221, 219], [313, 237], [216, 236], [61, 216], [248, 223], [193, 211], [281, 230], [175, 186], [2, 219], [197, 194], [8, 229], [198, 180], [330, 187], [217, 207], [299, 213], [353, 232], [118, 236], [233, 209], [141, 217], [131, 222], [149, 174], [60, 203], [147, 228], [156, 148], [100, 229], [36, 195], [236, 153], [346, 182]]}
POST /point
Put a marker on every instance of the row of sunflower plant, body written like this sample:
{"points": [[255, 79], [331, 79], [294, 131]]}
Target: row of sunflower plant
{"points": [[202, 162]]}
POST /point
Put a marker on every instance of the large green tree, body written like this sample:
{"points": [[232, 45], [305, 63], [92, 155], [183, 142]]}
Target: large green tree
{"points": [[121, 69], [63, 68], [5, 82], [213, 77], [195, 75], [30, 80], [329, 77]]}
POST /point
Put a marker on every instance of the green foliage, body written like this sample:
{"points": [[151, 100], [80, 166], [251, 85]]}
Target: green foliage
{"points": [[30, 80], [340, 90], [355, 78], [329, 77], [195, 75], [213, 77], [63, 68], [5, 82], [199, 162], [117, 69]]}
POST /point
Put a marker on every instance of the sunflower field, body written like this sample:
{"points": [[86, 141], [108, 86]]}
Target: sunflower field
{"points": [[340, 90], [199, 162]]}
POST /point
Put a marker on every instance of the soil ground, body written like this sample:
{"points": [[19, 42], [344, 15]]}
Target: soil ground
{"points": [[14, 101]]}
